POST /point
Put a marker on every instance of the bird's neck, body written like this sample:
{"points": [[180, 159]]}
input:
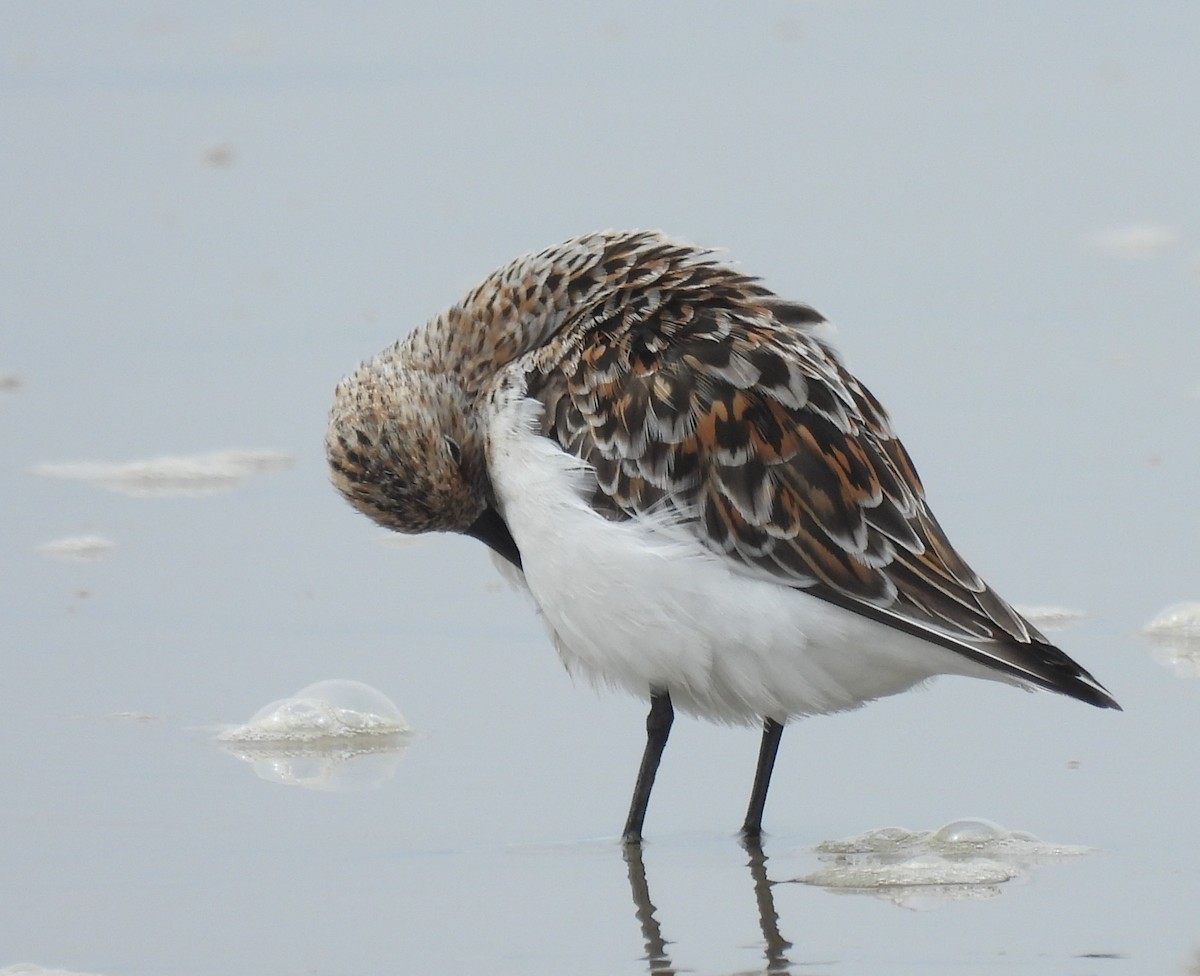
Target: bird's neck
{"points": [[512, 313]]}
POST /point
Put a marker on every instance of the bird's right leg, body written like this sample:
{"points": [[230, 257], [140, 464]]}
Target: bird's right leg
{"points": [[658, 727]]}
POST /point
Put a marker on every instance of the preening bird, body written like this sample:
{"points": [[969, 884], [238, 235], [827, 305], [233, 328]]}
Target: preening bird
{"points": [[708, 509]]}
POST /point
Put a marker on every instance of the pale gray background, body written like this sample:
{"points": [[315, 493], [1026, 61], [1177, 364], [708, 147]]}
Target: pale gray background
{"points": [[212, 211]]}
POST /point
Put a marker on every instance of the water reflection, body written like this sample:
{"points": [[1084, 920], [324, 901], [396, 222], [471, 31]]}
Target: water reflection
{"points": [[965, 859], [328, 765], [659, 963], [768, 919], [656, 946]]}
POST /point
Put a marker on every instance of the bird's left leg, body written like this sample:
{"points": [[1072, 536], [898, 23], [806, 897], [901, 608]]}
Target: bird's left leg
{"points": [[772, 730]]}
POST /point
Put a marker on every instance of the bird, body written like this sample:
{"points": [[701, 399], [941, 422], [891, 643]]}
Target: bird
{"points": [[708, 509]]}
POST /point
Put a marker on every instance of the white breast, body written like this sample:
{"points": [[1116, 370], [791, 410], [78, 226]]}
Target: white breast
{"points": [[643, 606]]}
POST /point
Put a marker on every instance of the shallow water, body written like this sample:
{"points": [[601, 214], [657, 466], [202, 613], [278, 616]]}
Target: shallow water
{"points": [[213, 213]]}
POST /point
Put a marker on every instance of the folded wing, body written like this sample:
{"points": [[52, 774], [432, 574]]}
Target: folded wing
{"points": [[701, 396]]}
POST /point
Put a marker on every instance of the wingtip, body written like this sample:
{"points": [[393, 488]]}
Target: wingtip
{"points": [[1092, 692]]}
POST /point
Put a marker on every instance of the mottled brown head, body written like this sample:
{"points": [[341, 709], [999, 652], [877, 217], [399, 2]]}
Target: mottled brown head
{"points": [[403, 449]]}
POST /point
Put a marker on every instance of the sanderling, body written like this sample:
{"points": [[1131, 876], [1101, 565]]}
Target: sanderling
{"points": [[708, 509]]}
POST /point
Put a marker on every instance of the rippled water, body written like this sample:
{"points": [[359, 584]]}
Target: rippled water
{"points": [[212, 213]]}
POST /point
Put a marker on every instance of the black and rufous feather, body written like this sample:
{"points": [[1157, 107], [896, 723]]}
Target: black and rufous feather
{"points": [[696, 393]]}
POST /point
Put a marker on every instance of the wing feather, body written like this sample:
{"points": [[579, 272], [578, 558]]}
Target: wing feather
{"points": [[691, 389]]}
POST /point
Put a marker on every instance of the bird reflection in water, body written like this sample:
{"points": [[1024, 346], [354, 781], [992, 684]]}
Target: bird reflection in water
{"points": [[775, 946]]}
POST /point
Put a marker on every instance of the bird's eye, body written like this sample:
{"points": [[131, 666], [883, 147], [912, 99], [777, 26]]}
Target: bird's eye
{"points": [[453, 448]]}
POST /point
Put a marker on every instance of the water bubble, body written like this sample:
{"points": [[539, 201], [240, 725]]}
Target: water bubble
{"points": [[338, 708], [199, 474], [1050, 618], [1180, 620], [1136, 240], [969, 832], [1175, 634], [336, 735], [966, 858], [82, 548], [32, 969], [883, 840]]}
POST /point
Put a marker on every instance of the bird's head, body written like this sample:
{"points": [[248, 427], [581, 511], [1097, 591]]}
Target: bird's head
{"points": [[403, 449]]}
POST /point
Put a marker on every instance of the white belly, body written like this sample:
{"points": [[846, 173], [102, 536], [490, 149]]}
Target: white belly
{"points": [[645, 607]]}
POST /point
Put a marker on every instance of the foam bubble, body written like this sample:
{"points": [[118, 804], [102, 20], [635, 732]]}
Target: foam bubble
{"points": [[966, 858], [336, 709], [969, 832], [1050, 618], [1136, 240], [32, 969], [1175, 634], [1180, 620], [197, 474], [885, 840], [81, 548], [337, 735], [923, 871]]}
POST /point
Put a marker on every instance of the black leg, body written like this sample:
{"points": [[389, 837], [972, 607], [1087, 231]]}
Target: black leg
{"points": [[772, 730], [658, 727]]}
